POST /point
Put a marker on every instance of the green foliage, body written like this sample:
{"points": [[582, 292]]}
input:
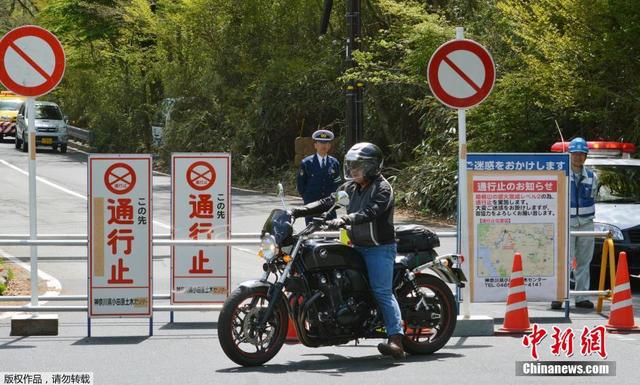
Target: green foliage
{"points": [[9, 276], [250, 76]]}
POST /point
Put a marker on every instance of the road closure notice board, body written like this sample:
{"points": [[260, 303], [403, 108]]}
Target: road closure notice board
{"points": [[120, 234], [518, 203], [200, 210]]}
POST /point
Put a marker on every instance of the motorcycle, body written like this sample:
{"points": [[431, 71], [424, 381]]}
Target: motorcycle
{"points": [[321, 286]]}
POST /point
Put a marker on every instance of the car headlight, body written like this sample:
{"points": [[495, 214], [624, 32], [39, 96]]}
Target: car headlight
{"points": [[615, 231], [268, 247]]}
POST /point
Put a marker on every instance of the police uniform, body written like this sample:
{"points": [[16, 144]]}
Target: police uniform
{"points": [[314, 181]]}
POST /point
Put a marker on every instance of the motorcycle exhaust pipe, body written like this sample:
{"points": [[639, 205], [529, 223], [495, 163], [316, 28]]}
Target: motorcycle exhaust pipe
{"points": [[299, 320]]}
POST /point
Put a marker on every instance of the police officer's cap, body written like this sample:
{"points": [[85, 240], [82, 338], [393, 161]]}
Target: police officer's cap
{"points": [[323, 136]]}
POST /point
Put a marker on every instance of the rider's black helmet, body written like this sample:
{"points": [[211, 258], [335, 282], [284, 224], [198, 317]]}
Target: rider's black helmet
{"points": [[364, 156]]}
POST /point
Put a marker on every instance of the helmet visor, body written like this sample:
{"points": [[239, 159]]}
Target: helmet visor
{"points": [[356, 169]]}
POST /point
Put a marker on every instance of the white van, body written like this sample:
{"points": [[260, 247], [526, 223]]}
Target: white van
{"points": [[51, 127]]}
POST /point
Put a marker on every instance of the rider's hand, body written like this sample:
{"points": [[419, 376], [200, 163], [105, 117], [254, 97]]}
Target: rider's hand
{"points": [[335, 223], [295, 213]]}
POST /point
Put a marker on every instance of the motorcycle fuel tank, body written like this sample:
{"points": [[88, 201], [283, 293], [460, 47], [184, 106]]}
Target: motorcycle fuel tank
{"points": [[322, 255]]}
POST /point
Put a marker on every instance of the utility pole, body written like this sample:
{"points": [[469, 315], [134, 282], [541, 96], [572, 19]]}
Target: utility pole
{"points": [[354, 90]]}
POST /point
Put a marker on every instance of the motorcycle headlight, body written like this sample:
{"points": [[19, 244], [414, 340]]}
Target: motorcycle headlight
{"points": [[615, 232], [268, 247]]}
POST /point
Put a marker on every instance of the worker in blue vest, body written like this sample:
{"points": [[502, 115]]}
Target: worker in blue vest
{"points": [[583, 209], [319, 174]]}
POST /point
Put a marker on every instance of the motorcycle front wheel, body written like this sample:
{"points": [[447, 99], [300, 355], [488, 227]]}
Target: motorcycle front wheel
{"points": [[240, 338], [426, 339]]}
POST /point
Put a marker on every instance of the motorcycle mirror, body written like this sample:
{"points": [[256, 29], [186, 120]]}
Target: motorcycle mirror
{"points": [[342, 198]]}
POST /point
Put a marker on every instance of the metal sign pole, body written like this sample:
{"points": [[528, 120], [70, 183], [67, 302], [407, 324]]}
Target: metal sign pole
{"points": [[33, 217], [462, 190]]}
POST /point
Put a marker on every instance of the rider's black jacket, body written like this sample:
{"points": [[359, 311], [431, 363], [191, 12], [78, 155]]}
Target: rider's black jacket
{"points": [[370, 212]]}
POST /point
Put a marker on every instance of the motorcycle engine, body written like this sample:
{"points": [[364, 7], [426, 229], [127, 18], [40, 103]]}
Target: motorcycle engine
{"points": [[344, 304]]}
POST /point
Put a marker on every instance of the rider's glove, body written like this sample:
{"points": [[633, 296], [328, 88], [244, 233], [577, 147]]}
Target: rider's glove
{"points": [[335, 223], [295, 212]]}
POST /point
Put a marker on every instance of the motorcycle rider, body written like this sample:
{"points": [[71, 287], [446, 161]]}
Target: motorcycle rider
{"points": [[370, 215]]}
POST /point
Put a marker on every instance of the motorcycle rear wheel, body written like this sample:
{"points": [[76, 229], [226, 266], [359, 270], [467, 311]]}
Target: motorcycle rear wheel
{"points": [[427, 340], [238, 336]]}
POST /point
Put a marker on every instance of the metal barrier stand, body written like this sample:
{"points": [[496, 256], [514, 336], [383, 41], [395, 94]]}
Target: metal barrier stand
{"points": [[240, 239]]}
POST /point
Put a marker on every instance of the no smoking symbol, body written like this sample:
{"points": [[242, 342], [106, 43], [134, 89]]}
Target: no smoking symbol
{"points": [[120, 178], [201, 175]]}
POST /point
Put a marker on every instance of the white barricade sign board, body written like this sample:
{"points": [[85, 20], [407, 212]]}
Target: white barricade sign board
{"points": [[201, 209], [120, 235], [518, 203]]}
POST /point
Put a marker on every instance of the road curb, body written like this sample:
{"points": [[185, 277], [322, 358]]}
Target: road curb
{"points": [[54, 287]]}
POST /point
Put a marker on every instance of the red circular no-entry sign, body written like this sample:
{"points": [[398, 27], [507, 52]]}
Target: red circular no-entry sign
{"points": [[31, 61], [120, 178], [461, 73], [201, 175]]}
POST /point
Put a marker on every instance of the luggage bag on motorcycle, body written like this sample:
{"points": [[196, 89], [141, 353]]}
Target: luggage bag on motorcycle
{"points": [[415, 238]]}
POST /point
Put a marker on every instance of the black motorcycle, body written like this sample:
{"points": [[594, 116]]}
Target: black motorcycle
{"points": [[321, 286]]}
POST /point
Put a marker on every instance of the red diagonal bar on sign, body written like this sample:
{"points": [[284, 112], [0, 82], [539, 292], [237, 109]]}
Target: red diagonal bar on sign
{"points": [[32, 63], [121, 178], [198, 175], [461, 73]]}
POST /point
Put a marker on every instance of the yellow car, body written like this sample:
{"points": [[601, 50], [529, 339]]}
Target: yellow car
{"points": [[9, 105]]}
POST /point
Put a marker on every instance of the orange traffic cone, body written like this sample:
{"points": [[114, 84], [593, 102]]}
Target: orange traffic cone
{"points": [[621, 316], [516, 318], [292, 336]]}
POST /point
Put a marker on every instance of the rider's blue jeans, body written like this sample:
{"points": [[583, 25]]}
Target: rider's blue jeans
{"points": [[380, 260]]}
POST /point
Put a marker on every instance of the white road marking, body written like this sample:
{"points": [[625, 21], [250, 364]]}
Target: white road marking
{"points": [[63, 189], [77, 150], [622, 337], [86, 153], [54, 287], [78, 195], [41, 179]]}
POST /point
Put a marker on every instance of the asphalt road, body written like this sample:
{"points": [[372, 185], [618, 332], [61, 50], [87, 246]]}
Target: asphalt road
{"points": [[187, 351]]}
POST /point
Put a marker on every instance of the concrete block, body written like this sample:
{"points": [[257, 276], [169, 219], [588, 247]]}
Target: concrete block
{"points": [[475, 325], [34, 325]]}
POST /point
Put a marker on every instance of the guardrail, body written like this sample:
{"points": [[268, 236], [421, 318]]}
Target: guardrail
{"points": [[158, 240], [80, 134], [164, 240]]}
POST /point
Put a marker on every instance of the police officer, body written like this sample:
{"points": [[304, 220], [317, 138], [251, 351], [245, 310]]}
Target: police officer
{"points": [[319, 174], [583, 209], [370, 215]]}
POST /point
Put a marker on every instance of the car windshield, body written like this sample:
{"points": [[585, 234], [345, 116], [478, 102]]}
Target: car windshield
{"points": [[618, 184], [10, 105], [48, 112]]}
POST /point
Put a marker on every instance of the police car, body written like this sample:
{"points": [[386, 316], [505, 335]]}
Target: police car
{"points": [[617, 200]]}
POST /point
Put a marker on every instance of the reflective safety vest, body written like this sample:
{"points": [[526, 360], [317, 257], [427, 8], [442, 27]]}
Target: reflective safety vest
{"points": [[583, 204]]}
